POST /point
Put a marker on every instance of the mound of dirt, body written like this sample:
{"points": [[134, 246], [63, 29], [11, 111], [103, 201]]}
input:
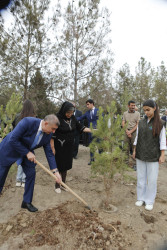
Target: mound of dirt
{"points": [[64, 227]]}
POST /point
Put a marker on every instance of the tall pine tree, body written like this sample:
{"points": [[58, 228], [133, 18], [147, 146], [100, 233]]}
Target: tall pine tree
{"points": [[124, 87], [143, 82], [160, 86], [23, 44], [37, 93], [82, 53]]}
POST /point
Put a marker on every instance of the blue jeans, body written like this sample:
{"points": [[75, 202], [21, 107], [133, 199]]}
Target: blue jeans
{"points": [[20, 174]]}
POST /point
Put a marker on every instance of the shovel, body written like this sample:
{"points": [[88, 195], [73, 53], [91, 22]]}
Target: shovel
{"points": [[63, 184]]}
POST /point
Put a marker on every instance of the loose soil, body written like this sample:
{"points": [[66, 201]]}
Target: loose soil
{"points": [[64, 223]]}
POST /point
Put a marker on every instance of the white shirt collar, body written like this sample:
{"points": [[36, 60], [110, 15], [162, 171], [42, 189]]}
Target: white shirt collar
{"points": [[40, 126]]}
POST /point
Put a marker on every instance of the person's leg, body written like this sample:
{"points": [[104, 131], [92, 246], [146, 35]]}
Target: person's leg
{"points": [[132, 147], [133, 139], [141, 179], [3, 174], [77, 144], [57, 185], [64, 175], [91, 153], [30, 172], [126, 148], [74, 147], [99, 150], [152, 176], [91, 156], [19, 173], [23, 178]]}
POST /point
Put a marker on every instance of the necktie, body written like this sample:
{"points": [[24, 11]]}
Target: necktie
{"points": [[37, 139], [91, 113]]}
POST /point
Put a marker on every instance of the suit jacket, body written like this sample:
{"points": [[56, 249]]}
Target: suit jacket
{"points": [[90, 119], [18, 143], [78, 113], [164, 118]]}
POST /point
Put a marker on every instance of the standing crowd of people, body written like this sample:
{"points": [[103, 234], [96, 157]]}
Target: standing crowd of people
{"points": [[59, 135]]}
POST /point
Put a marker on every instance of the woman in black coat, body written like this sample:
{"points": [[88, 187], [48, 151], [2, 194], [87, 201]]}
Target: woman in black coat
{"points": [[63, 140]]}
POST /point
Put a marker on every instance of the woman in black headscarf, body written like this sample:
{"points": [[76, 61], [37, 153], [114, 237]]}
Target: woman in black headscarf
{"points": [[63, 140]]}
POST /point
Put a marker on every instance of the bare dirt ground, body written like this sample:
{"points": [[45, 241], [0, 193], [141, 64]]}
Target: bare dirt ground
{"points": [[63, 222]]}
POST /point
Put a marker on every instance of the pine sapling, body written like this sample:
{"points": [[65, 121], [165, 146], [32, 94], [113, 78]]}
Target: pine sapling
{"points": [[109, 158]]}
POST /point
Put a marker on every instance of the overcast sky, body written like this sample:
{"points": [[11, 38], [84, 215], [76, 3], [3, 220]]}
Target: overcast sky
{"points": [[139, 29]]}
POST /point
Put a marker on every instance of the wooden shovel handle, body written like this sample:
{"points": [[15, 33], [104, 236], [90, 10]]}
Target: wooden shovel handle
{"points": [[62, 183]]}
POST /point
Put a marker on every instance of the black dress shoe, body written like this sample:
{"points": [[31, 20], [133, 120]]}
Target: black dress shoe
{"points": [[29, 207], [89, 163]]}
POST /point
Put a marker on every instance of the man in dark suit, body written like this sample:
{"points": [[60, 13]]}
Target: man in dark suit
{"points": [[164, 118], [92, 116], [29, 134], [77, 114]]}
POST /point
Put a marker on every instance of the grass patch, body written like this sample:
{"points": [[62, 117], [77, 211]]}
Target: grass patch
{"points": [[32, 232], [128, 179]]}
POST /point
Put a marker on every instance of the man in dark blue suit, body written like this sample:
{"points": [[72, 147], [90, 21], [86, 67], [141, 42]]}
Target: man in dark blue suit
{"points": [[29, 134], [77, 113], [164, 118], [92, 116]]}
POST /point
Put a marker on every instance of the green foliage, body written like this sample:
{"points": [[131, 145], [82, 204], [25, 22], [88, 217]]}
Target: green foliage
{"points": [[6, 93], [146, 83], [129, 179], [108, 139], [7, 114], [23, 45], [125, 98], [32, 232], [143, 82], [37, 93], [124, 87], [160, 88]]}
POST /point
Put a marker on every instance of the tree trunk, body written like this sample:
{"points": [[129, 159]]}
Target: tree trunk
{"points": [[76, 71]]}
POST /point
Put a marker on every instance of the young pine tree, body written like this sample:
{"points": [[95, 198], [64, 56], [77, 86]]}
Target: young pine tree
{"points": [[8, 114], [108, 140]]}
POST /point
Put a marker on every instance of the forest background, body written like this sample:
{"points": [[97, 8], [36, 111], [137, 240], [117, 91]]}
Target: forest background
{"points": [[52, 54]]}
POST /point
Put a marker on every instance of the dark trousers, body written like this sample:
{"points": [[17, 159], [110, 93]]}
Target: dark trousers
{"points": [[29, 184], [129, 144], [92, 154], [76, 145], [30, 173], [63, 176], [3, 174]]}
